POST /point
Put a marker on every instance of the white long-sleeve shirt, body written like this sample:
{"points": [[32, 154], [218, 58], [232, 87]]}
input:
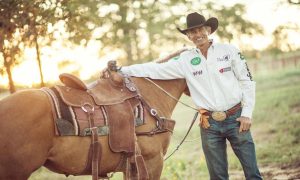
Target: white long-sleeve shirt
{"points": [[216, 83]]}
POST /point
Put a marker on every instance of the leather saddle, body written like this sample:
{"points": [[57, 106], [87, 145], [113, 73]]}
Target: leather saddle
{"points": [[114, 99], [102, 92]]}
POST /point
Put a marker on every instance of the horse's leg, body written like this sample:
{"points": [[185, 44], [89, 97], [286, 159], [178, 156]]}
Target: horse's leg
{"points": [[153, 149], [26, 132], [154, 166]]}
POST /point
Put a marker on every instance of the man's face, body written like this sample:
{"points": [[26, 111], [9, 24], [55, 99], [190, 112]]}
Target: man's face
{"points": [[199, 35]]}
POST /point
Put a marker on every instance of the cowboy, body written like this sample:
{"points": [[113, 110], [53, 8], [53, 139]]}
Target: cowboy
{"points": [[222, 88]]}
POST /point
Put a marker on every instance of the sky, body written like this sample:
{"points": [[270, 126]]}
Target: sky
{"points": [[268, 13]]}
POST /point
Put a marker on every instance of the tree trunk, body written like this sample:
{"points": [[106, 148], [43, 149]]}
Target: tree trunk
{"points": [[128, 48], [7, 66], [11, 84], [38, 58], [138, 52]]}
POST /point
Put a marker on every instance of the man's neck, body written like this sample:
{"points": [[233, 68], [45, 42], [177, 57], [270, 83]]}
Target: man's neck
{"points": [[204, 48]]}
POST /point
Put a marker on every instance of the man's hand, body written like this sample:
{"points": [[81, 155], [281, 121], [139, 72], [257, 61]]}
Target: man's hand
{"points": [[104, 73], [204, 119], [245, 123]]}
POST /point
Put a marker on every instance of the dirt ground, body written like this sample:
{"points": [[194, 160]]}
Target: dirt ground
{"points": [[274, 172]]}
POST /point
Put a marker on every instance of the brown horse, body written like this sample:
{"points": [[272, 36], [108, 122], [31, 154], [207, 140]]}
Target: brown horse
{"points": [[28, 140]]}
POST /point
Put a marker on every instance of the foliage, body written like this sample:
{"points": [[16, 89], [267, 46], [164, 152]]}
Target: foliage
{"points": [[232, 21], [131, 24], [13, 18], [24, 22], [294, 2], [281, 39], [141, 29]]}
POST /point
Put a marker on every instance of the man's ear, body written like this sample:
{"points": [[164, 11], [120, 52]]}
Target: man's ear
{"points": [[208, 29], [187, 35]]}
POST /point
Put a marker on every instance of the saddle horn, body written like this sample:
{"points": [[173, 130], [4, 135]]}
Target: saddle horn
{"points": [[112, 65]]}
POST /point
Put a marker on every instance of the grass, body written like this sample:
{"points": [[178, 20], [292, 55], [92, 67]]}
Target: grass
{"points": [[275, 130]]}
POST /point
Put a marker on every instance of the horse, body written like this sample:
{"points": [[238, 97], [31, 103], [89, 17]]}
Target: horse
{"points": [[28, 140]]}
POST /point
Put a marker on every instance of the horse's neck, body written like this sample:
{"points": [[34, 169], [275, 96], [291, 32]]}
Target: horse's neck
{"points": [[158, 99]]}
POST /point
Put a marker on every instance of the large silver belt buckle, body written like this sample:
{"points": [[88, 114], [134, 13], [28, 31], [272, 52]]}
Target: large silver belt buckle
{"points": [[218, 115]]}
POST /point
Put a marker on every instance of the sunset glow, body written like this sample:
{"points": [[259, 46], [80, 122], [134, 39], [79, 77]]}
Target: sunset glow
{"points": [[87, 61]]}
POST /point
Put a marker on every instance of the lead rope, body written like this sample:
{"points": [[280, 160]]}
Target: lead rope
{"points": [[193, 121], [176, 99]]}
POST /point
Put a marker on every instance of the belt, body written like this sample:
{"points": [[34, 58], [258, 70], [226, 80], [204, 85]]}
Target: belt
{"points": [[222, 115]]}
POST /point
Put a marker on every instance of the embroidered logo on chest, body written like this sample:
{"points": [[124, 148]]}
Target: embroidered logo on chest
{"points": [[196, 61], [196, 73], [225, 69], [225, 58]]}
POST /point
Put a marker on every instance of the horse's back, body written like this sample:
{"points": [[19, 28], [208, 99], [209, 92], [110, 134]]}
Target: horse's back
{"points": [[26, 133]]}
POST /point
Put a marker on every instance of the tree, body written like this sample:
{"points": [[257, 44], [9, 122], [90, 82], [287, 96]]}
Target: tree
{"points": [[132, 22], [12, 19], [23, 22], [294, 2], [78, 17], [232, 23], [40, 14], [281, 39]]}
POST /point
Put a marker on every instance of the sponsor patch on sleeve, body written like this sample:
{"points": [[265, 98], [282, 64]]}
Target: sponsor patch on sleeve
{"points": [[242, 57], [225, 69], [248, 72]]}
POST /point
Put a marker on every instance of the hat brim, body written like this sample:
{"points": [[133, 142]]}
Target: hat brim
{"points": [[212, 22]]}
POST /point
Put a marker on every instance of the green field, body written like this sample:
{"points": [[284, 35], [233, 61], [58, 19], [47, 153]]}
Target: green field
{"points": [[275, 130]]}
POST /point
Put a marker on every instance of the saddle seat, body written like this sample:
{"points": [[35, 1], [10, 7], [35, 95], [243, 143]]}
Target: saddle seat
{"points": [[110, 91], [72, 81]]}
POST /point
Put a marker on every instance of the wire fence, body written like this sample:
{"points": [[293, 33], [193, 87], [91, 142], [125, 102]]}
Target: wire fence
{"points": [[264, 66]]}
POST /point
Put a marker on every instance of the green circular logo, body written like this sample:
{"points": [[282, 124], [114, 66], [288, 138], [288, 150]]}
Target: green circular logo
{"points": [[196, 61], [176, 58]]}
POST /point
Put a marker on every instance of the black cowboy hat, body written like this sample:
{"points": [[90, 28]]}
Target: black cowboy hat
{"points": [[194, 20]]}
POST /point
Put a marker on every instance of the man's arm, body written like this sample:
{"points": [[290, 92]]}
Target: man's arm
{"points": [[244, 77], [168, 70]]}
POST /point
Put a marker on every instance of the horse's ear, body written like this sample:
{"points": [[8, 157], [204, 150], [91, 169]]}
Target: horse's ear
{"points": [[187, 91]]}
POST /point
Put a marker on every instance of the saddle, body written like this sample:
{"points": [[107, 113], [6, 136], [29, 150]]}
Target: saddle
{"points": [[109, 107], [105, 107]]}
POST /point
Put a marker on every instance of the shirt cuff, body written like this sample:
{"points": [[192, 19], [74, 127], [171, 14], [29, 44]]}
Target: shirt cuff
{"points": [[247, 113], [125, 70]]}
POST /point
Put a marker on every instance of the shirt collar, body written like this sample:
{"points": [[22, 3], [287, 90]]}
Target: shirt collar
{"points": [[212, 43], [211, 46]]}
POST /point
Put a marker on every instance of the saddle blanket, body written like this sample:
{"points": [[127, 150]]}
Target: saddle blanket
{"points": [[73, 121]]}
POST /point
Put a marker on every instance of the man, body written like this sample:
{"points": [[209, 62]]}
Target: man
{"points": [[221, 86]]}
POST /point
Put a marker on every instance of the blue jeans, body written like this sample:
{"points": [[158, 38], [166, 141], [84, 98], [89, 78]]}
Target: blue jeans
{"points": [[214, 147]]}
